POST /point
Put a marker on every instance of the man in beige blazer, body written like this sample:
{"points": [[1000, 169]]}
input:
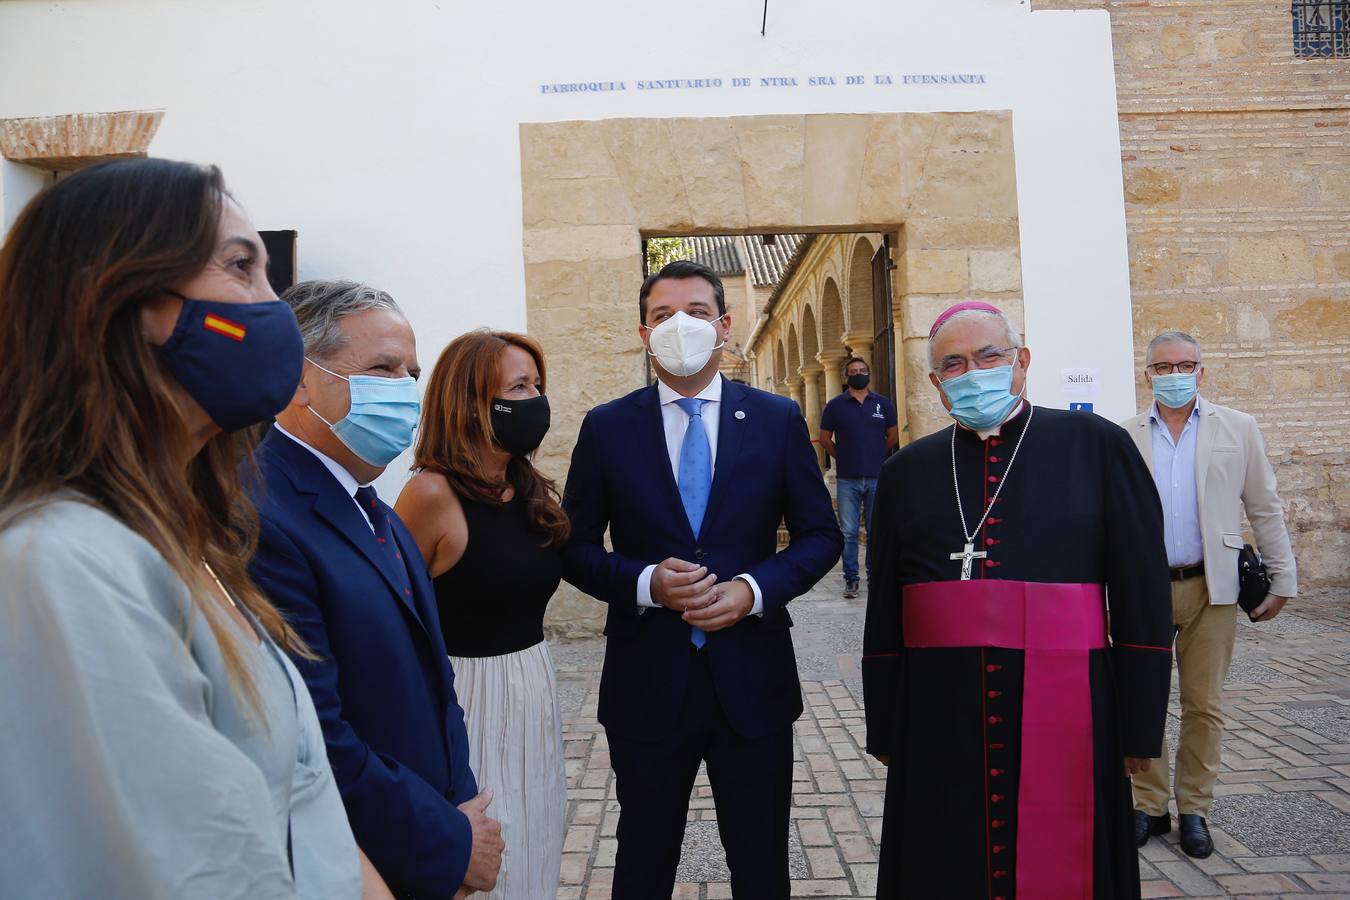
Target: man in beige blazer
{"points": [[1209, 465]]}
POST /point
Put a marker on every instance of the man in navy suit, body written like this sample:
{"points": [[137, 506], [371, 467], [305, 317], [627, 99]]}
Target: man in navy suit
{"points": [[347, 574], [692, 477]]}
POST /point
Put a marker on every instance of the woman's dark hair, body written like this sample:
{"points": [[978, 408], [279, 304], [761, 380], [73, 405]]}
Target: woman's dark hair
{"points": [[682, 268], [89, 406], [456, 435]]}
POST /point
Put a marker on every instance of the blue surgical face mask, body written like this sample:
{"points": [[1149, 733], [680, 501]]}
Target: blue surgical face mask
{"points": [[1176, 390], [980, 398], [384, 414], [239, 361]]}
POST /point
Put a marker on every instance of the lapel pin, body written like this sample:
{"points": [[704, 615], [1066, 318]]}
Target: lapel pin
{"points": [[740, 414]]}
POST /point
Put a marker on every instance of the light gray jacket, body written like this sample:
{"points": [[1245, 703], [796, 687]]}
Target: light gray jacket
{"points": [[1232, 474], [128, 769]]}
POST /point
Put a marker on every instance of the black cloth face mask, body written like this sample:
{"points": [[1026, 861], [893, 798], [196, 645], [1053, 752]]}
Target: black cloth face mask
{"points": [[859, 381], [520, 425]]}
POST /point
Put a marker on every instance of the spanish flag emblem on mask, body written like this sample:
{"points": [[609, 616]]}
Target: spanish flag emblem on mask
{"points": [[221, 325]]}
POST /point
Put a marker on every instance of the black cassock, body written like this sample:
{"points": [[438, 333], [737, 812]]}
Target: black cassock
{"points": [[1079, 511]]}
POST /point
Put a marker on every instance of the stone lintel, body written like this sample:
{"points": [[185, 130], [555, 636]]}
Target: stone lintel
{"points": [[63, 143]]}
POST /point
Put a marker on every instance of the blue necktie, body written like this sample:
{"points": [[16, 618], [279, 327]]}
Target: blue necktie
{"points": [[695, 478]]}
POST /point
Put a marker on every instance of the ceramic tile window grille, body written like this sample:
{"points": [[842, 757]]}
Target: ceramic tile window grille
{"points": [[1321, 28]]}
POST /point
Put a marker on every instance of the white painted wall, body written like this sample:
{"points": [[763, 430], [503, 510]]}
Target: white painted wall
{"points": [[18, 184], [387, 133]]}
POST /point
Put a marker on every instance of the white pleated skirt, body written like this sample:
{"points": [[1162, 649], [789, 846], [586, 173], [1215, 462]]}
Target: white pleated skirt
{"points": [[516, 748]]}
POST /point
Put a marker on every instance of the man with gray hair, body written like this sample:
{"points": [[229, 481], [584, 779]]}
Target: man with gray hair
{"points": [[1006, 702], [1209, 465], [348, 575]]}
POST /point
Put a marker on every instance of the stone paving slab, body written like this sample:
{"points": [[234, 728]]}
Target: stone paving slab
{"points": [[1281, 817]]}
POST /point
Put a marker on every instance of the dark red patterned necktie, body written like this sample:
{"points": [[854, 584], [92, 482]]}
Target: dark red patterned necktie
{"points": [[384, 536]]}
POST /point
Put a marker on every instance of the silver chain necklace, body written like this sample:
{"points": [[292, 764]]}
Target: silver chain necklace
{"points": [[968, 555]]}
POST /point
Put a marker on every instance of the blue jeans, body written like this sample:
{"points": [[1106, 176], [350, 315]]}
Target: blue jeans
{"points": [[855, 494]]}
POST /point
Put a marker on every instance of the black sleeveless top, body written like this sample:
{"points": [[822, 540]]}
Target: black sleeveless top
{"points": [[492, 602]]}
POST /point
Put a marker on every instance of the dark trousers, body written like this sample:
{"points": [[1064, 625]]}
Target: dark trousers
{"points": [[752, 790]]}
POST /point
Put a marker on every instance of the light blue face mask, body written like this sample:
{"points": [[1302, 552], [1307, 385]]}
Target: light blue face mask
{"points": [[980, 398], [383, 417], [1176, 390]]}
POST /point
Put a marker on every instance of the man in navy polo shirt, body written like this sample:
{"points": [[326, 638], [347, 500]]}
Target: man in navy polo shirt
{"points": [[857, 428]]}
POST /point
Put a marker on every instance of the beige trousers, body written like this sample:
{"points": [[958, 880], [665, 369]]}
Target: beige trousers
{"points": [[1204, 649]]}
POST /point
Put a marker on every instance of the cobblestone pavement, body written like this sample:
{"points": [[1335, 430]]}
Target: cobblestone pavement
{"points": [[1281, 817]]}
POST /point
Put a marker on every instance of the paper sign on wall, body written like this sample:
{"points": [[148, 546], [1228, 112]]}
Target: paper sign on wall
{"points": [[1080, 382]]}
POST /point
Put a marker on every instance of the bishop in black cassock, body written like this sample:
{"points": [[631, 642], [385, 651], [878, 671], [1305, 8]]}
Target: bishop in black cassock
{"points": [[1008, 701]]}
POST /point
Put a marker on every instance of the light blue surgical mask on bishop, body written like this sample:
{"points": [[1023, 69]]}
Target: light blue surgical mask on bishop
{"points": [[1176, 390], [383, 417], [980, 398]]}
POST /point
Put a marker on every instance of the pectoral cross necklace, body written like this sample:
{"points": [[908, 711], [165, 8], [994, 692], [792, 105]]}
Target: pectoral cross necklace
{"points": [[969, 554]]}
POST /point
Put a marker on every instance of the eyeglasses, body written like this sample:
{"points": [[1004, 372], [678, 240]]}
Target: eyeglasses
{"points": [[988, 358], [1185, 368]]}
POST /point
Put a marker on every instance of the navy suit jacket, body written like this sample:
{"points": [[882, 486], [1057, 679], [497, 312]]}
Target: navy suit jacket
{"points": [[382, 685], [765, 473]]}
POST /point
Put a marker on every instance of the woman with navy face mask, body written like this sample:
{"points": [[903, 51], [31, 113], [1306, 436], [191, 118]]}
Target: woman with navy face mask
{"points": [[157, 740], [490, 527]]}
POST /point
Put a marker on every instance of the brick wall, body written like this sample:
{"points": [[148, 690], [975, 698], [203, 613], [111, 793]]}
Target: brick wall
{"points": [[1236, 164]]}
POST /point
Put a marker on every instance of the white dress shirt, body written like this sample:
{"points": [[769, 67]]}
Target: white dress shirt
{"points": [[676, 423], [345, 478], [1174, 475]]}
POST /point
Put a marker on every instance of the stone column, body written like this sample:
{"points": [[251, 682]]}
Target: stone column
{"points": [[833, 363], [811, 406], [794, 384], [862, 346]]}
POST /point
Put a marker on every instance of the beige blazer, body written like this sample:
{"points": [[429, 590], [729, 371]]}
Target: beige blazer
{"points": [[1232, 473]]}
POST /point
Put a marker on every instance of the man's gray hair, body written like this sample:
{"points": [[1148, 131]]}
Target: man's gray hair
{"points": [[1013, 337], [1170, 337], [319, 305]]}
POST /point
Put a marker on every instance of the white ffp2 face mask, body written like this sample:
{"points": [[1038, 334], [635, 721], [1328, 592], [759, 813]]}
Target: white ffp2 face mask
{"points": [[683, 344]]}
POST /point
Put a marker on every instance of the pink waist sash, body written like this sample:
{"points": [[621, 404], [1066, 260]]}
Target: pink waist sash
{"points": [[1056, 624]]}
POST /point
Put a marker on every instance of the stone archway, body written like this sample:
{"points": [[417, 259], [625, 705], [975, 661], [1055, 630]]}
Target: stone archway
{"points": [[860, 324], [812, 372], [832, 331], [591, 190]]}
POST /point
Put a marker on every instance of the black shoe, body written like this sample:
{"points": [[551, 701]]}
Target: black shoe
{"points": [[1146, 825], [850, 588], [1195, 839]]}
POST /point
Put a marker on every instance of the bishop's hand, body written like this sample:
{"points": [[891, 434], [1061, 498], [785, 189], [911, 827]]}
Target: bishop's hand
{"points": [[1137, 765]]}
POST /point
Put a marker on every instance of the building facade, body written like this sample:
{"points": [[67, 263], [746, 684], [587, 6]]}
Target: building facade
{"points": [[1235, 150], [490, 169]]}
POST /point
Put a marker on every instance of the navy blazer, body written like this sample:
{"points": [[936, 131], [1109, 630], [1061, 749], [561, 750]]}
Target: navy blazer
{"points": [[765, 473], [382, 685]]}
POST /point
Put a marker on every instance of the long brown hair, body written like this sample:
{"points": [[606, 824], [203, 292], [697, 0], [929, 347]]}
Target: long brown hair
{"points": [[89, 407], [455, 438]]}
